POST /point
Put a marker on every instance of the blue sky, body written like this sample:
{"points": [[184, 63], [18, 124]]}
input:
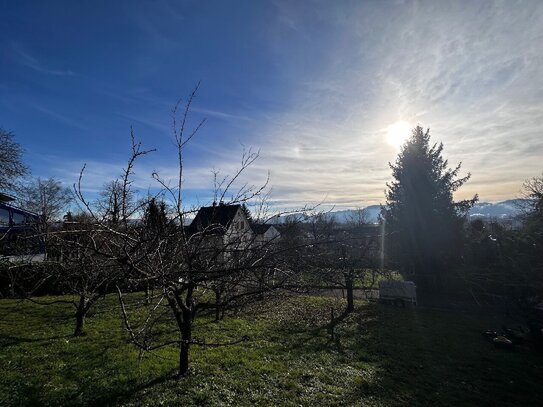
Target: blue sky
{"points": [[313, 84]]}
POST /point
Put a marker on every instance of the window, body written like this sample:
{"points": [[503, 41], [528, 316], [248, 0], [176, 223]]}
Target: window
{"points": [[4, 217], [18, 218]]}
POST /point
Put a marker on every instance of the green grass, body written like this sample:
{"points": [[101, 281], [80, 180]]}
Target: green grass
{"points": [[381, 356]]}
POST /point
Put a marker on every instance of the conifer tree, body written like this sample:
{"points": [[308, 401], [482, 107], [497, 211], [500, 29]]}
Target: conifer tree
{"points": [[424, 226], [247, 213]]}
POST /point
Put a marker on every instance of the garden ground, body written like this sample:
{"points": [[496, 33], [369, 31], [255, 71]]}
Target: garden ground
{"points": [[380, 356]]}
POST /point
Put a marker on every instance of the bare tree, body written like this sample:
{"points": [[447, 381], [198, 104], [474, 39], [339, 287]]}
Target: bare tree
{"points": [[11, 161], [358, 217], [79, 257], [179, 263], [45, 197], [49, 200], [85, 267], [533, 192], [342, 257], [116, 202]]}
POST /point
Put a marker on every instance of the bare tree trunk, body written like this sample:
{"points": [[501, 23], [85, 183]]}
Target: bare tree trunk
{"points": [[12, 289], [80, 315], [261, 285], [332, 324], [80, 324], [217, 305], [147, 293], [186, 337], [350, 295]]}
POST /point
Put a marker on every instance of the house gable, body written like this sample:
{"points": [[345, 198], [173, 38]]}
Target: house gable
{"points": [[214, 219], [221, 220], [265, 232]]}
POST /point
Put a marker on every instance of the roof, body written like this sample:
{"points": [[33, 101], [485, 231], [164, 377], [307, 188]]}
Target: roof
{"points": [[260, 229], [214, 219], [29, 219], [6, 198], [19, 211]]}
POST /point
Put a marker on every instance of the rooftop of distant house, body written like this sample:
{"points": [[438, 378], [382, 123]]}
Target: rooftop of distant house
{"points": [[214, 218], [261, 228]]}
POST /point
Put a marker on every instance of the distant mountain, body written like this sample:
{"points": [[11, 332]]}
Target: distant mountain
{"points": [[499, 210], [371, 214]]}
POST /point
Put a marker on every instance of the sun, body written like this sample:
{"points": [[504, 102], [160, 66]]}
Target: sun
{"points": [[398, 133]]}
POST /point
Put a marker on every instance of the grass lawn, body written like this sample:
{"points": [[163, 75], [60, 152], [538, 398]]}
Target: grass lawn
{"points": [[381, 356]]}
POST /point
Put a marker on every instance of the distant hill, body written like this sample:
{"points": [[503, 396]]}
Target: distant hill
{"points": [[348, 215], [500, 210]]}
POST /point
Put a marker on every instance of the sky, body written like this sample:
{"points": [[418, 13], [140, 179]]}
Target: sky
{"points": [[315, 86]]}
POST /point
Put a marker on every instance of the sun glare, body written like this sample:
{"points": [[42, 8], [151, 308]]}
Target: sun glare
{"points": [[397, 133]]}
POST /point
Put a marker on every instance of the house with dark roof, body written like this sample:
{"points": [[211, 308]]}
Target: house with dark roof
{"points": [[19, 235], [220, 219], [221, 227], [227, 226]]}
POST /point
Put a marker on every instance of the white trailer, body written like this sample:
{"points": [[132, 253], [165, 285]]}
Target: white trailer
{"points": [[398, 292]]}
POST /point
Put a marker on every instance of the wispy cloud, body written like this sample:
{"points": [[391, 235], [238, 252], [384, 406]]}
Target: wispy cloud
{"points": [[470, 71], [25, 58], [59, 117], [220, 115]]}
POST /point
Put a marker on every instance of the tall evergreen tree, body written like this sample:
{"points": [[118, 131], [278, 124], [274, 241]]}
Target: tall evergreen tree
{"points": [[423, 223], [247, 213], [155, 218]]}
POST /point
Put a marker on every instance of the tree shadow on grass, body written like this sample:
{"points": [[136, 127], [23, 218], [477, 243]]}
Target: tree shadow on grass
{"points": [[46, 365], [120, 396], [33, 393], [97, 375], [399, 356], [298, 335], [8, 340], [417, 356], [391, 344], [438, 358]]}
